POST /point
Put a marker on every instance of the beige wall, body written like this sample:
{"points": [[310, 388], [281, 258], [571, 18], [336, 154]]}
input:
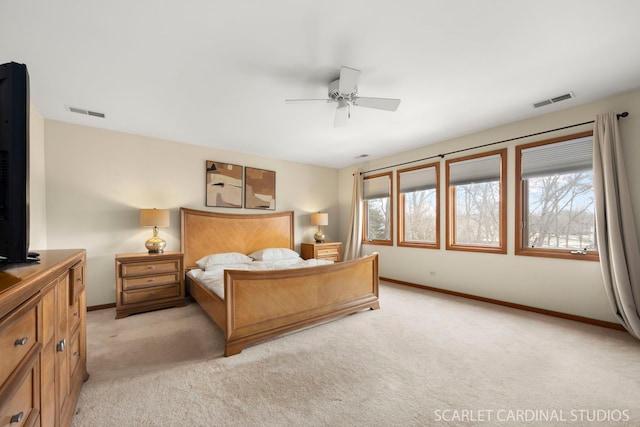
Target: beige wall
{"points": [[97, 180], [37, 182], [567, 286]]}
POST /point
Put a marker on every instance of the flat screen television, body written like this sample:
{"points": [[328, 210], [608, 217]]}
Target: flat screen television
{"points": [[14, 164]]}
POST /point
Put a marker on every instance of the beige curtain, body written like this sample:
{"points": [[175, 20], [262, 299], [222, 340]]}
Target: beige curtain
{"points": [[354, 239], [617, 236]]}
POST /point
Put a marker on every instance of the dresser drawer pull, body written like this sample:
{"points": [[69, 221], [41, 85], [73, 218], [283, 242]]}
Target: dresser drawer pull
{"points": [[151, 280], [61, 345], [16, 418], [75, 314], [21, 341], [152, 267], [75, 353]]}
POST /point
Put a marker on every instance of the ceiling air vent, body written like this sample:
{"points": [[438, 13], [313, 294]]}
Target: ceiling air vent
{"points": [[554, 100], [85, 112]]}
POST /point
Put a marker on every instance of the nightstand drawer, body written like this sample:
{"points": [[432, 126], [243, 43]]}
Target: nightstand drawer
{"points": [[146, 281], [150, 294], [329, 251], [150, 268]]}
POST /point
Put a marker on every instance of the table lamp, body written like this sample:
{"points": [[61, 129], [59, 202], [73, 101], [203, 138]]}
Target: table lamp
{"points": [[154, 218], [319, 219]]}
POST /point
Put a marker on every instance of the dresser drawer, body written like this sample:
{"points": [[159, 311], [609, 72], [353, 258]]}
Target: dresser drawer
{"points": [[19, 409], [158, 267], [17, 337], [74, 354], [147, 281], [151, 294], [76, 284], [74, 315], [333, 256]]}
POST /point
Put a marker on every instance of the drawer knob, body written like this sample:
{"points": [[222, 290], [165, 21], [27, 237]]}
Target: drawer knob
{"points": [[151, 280], [21, 341], [16, 418], [75, 353], [61, 345], [152, 267], [75, 314]]}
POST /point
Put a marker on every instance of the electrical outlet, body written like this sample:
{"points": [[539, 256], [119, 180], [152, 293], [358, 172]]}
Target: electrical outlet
{"points": [[432, 273]]}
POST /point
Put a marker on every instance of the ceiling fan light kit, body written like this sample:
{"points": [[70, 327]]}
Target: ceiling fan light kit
{"points": [[344, 91]]}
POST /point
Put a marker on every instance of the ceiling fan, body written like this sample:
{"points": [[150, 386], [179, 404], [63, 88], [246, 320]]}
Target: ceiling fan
{"points": [[344, 91]]}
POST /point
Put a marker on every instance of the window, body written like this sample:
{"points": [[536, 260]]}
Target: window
{"points": [[377, 209], [555, 209], [418, 206], [476, 202]]}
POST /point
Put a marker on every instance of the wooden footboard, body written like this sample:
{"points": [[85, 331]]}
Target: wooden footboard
{"points": [[260, 305]]}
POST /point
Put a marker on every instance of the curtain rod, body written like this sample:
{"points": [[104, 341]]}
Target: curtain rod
{"points": [[625, 114]]}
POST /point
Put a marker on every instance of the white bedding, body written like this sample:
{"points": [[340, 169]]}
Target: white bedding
{"points": [[213, 278]]}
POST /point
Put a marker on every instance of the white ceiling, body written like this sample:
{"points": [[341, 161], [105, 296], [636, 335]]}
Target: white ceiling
{"points": [[216, 73]]}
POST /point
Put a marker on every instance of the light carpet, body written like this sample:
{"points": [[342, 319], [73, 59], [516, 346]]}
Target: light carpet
{"points": [[423, 359]]}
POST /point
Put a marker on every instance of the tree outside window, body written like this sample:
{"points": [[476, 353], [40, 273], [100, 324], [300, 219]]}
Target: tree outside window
{"points": [[476, 202], [418, 206], [378, 221], [555, 208]]}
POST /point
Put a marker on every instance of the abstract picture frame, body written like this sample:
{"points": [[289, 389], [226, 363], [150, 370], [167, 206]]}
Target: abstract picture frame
{"points": [[223, 185], [259, 188]]}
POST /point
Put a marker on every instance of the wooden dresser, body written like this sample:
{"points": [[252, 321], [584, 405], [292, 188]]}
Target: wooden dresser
{"points": [[147, 282], [43, 339], [328, 250]]}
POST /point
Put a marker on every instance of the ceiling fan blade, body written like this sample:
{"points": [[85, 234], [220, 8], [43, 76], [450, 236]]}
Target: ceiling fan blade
{"points": [[388, 104], [342, 113], [306, 101], [348, 80]]}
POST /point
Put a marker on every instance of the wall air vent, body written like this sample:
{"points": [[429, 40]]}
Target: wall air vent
{"points": [[554, 100], [85, 112]]}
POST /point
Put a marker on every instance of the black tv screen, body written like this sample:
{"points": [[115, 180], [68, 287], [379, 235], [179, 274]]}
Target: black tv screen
{"points": [[14, 163]]}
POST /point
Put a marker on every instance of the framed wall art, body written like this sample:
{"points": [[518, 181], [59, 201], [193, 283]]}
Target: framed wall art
{"points": [[259, 189], [224, 185]]}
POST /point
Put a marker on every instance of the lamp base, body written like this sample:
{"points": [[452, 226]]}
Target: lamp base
{"points": [[155, 244], [319, 236]]}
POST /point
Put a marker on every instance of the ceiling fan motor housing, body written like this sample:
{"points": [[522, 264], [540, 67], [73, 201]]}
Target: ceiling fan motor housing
{"points": [[334, 91]]}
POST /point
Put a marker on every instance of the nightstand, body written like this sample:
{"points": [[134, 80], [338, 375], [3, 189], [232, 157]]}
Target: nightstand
{"points": [[329, 250], [147, 282]]}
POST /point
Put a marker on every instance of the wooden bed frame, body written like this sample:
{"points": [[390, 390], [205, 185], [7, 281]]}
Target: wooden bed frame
{"points": [[259, 305]]}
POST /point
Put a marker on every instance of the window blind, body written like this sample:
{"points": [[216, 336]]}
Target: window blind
{"points": [[418, 180], [377, 188], [479, 169], [563, 157]]}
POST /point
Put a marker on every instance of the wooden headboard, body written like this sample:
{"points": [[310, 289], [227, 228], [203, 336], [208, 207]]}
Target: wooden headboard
{"points": [[204, 233]]}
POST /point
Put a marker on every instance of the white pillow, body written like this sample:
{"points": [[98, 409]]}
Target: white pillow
{"points": [[207, 262], [272, 254]]}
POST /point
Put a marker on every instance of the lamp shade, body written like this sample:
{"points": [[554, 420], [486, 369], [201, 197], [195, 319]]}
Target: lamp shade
{"points": [[320, 219], [154, 217]]}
